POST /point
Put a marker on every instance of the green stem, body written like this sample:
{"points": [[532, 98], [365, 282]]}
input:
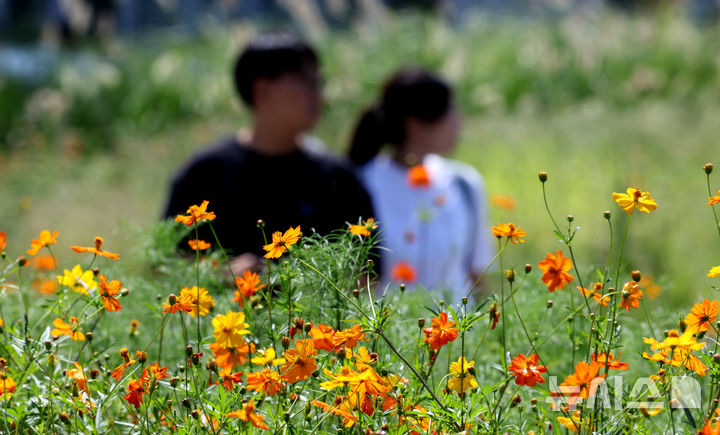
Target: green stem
{"points": [[717, 223]]}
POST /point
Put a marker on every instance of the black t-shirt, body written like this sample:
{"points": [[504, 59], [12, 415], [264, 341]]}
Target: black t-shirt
{"points": [[285, 191]]}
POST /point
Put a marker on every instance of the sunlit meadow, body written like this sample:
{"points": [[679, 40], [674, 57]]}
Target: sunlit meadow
{"points": [[106, 328]]}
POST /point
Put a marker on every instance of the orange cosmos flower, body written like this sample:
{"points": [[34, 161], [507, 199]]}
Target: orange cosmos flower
{"points": [[3, 238], [281, 242], [714, 199], [631, 295], [266, 381], [715, 271], [365, 229], [348, 337], [502, 201], [46, 287], [195, 213], [299, 361], [7, 385], [71, 330], [586, 380], [555, 269], [198, 244], [43, 240], [652, 290], [119, 370], [108, 291], [708, 429], [232, 356], [43, 262], [508, 230], [702, 315], [229, 379], [136, 391], [418, 176], [610, 361], [323, 337], [442, 332], [248, 284], [597, 294], [247, 413], [341, 409], [78, 375], [404, 272], [96, 250], [634, 198], [158, 372], [526, 370]]}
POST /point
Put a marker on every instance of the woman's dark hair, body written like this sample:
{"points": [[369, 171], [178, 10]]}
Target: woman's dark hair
{"points": [[270, 56], [411, 92]]}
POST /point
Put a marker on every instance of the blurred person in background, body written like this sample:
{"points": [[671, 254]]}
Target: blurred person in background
{"points": [[431, 210], [267, 172]]}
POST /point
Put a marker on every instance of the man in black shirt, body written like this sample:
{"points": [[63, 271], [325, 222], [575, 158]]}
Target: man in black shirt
{"points": [[266, 173]]}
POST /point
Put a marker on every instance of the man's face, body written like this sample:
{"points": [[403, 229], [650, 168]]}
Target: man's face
{"points": [[294, 99]]}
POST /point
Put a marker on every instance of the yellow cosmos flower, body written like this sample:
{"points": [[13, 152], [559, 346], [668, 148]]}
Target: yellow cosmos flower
{"points": [[281, 242], [198, 299], [634, 198], [78, 280], [267, 357], [715, 271], [462, 379], [674, 341], [229, 329], [365, 229]]}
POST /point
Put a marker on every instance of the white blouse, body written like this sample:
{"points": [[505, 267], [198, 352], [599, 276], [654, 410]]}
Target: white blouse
{"points": [[440, 230]]}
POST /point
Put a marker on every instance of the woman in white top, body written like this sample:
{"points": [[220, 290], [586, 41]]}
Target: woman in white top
{"points": [[431, 210]]}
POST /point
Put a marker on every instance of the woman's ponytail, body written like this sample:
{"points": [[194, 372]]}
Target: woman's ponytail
{"points": [[368, 138]]}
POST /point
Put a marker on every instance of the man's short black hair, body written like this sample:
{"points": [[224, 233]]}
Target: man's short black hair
{"points": [[269, 56]]}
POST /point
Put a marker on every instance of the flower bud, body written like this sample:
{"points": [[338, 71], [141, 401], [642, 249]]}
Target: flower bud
{"points": [[174, 381], [369, 263], [307, 327], [636, 276], [570, 218], [682, 326], [716, 357], [22, 261], [157, 296], [542, 176], [285, 341], [549, 304], [421, 322], [195, 414], [188, 350], [211, 365], [96, 271], [48, 345], [674, 403], [51, 360], [493, 310], [260, 223], [528, 268], [186, 403], [441, 302], [196, 358], [471, 370], [510, 275], [64, 417], [383, 372], [356, 293], [315, 374], [402, 287], [75, 390], [341, 354], [94, 373], [141, 356], [606, 214], [516, 399], [89, 336], [181, 368], [464, 300], [708, 168]]}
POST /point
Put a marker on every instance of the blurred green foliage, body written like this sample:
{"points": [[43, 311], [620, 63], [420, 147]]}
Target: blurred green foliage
{"points": [[601, 102]]}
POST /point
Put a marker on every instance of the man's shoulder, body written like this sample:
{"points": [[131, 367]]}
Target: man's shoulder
{"points": [[222, 152]]}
